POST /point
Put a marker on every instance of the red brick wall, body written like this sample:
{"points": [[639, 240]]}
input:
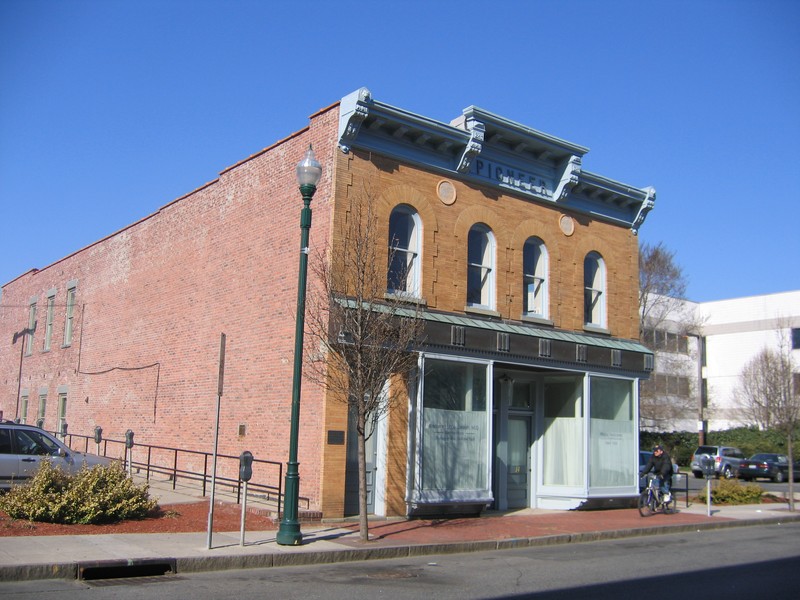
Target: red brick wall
{"points": [[153, 300]]}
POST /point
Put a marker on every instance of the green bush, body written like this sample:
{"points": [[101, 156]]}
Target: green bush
{"points": [[732, 491], [92, 496]]}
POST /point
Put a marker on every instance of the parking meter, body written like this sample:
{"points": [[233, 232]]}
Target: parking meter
{"points": [[98, 434], [129, 439], [245, 465], [707, 465], [40, 423], [64, 429]]}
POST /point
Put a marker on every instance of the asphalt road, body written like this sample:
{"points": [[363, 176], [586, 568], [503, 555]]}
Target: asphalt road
{"points": [[742, 562]]}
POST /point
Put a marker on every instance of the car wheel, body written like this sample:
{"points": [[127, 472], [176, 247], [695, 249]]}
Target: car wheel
{"points": [[779, 478], [726, 472], [697, 474]]}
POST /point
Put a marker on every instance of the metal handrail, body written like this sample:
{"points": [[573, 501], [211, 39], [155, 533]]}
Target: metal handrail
{"points": [[259, 484]]}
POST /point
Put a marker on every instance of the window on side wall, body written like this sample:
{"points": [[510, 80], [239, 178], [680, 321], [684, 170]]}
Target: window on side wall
{"points": [[31, 329], [70, 317], [23, 410], [480, 267], [42, 408], [48, 326], [594, 282], [403, 275], [534, 268], [62, 410]]}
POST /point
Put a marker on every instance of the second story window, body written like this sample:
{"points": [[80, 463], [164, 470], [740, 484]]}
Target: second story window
{"points": [[70, 316], [48, 326], [403, 275], [594, 282], [31, 329], [534, 284], [480, 267]]}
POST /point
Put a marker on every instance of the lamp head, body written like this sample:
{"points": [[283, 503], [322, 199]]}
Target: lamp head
{"points": [[309, 170]]}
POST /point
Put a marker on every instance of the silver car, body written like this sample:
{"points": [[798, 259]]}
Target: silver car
{"points": [[24, 447]]}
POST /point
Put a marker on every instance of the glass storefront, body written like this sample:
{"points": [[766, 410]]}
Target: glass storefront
{"points": [[611, 433], [559, 438], [563, 459], [454, 449]]}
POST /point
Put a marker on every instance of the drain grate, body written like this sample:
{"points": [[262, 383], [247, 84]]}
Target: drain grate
{"points": [[118, 569]]}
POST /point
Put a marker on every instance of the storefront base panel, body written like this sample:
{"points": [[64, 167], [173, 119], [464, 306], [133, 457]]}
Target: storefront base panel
{"points": [[609, 503], [446, 510]]}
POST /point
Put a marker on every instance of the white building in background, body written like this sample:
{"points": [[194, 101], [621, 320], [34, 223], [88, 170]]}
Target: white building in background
{"points": [[697, 373]]}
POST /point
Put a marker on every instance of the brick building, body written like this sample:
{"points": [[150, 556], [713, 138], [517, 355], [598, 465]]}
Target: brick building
{"points": [[525, 263]]}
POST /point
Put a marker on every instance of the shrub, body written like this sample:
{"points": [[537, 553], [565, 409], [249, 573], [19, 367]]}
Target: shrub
{"points": [[732, 491], [92, 496]]}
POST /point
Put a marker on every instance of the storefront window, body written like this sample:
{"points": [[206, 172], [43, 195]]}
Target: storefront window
{"points": [[611, 434], [563, 431], [454, 448]]}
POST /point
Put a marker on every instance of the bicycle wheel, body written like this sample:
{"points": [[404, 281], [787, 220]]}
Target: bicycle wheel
{"points": [[646, 503]]}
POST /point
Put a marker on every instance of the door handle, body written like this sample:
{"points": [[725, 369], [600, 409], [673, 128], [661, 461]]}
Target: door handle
{"points": [[28, 460]]}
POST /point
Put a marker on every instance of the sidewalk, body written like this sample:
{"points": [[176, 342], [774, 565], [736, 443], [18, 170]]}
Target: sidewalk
{"points": [[70, 557]]}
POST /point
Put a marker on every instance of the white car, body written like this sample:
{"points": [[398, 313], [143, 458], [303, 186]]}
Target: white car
{"points": [[24, 447]]}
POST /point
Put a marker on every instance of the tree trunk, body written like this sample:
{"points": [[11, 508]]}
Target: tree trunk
{"points": [[363, 522]]}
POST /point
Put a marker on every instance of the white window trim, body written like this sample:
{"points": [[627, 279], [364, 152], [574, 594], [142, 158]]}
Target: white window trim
{"points": [[541, 273], [414, 249], [598, 315], [489, 265]]}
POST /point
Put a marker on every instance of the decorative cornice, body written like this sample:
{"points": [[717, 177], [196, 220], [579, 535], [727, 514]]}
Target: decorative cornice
{"points": [[486, 149]]}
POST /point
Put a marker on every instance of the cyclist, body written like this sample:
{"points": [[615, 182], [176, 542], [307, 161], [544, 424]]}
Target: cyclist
{"points": [[661, 463]]}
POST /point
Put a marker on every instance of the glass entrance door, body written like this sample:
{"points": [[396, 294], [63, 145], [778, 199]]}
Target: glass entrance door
{"points": [[519, 461]]}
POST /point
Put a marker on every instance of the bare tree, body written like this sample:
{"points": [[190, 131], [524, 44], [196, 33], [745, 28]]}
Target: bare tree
{"points": [[363, 337], [662, 286], [769, 395], [666, 322]]}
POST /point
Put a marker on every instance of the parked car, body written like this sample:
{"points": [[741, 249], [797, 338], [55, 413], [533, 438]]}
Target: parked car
{"points": [[769, 466], [23, 447], [726, 460]]}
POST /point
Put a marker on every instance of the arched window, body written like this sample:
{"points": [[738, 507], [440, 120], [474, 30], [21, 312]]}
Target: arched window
{"points": [[403, 275], [480, 267], [594, 296], [534, 278]]}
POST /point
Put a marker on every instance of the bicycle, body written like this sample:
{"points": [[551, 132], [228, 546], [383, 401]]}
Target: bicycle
{"points": [[651, 499]]}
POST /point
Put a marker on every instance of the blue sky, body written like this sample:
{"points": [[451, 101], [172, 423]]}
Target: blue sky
{"points": [[112, 109]]}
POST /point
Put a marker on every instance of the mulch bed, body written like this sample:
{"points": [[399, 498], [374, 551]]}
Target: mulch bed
{"points": [[170, 518]]}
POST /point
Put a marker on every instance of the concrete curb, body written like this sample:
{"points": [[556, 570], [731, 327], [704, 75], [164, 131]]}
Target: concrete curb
{"points": [[196, 564]]}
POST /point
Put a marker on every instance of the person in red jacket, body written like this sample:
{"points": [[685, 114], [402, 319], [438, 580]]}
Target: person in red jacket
{"points": [[661, 464]]}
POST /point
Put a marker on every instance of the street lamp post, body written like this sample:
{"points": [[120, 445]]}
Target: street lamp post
{"points": [[309, 172]]}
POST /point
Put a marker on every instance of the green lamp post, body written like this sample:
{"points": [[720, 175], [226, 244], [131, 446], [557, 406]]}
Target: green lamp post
{"points": [[309, 172]]}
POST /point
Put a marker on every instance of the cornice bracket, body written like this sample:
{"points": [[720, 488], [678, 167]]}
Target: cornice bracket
{"points": [[647, 205], [569, 178], [354, 108], [477, 132]]}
